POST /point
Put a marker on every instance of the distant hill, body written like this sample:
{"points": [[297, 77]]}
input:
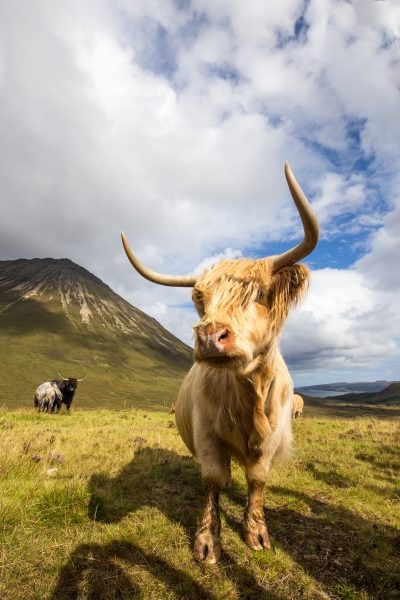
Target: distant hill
{"points": [[390, 395], [56, 316], [343, 387]]}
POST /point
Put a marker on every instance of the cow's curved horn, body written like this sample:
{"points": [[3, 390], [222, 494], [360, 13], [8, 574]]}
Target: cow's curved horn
{"points": [[83, 378], [65, 378], [171, 280], [310, 225]]}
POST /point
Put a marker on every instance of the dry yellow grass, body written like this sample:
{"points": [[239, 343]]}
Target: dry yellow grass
{"points": [[104, 505]]}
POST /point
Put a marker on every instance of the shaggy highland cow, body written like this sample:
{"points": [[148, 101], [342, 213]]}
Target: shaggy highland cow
{"points": [[236, 401], [298, 405], [49, 396]]}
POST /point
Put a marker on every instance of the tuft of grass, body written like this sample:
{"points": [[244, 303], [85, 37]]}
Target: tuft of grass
{"points": [[104, 504]]}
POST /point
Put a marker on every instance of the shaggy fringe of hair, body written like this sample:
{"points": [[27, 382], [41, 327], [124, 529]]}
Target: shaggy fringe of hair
{"points": [[289, 286], [239, 281]]}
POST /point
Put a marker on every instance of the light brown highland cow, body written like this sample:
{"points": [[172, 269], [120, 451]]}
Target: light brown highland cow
{"points": [[236, 401], [298, 405]]}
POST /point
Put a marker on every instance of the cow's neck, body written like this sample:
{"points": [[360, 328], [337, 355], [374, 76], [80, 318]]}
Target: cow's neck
{"points": [[259, 384], [260, 372]]}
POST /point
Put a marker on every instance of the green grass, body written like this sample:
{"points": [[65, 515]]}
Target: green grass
{"points": [[38, 341], [104, 504], [118, 370]]}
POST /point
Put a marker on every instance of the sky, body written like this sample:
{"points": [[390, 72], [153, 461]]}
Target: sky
{"points": [[172, 120]]}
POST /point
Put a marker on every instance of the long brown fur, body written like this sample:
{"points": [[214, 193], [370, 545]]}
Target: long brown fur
{"points": [[298, 405], [239, 408]]}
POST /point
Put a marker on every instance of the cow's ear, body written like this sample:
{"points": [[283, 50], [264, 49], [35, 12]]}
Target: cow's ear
{"points": [[288, 287]]}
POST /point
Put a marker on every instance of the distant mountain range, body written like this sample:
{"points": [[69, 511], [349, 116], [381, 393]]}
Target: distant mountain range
{"points": [[56, 316], [374, 392], [344, 387]]}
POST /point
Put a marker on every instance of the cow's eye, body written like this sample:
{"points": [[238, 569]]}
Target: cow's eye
{"points": [[198, 301], [261, 296], [200, 308]]}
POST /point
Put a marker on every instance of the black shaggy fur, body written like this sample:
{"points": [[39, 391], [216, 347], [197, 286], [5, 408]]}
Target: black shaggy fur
{"points": [[67, 388]]}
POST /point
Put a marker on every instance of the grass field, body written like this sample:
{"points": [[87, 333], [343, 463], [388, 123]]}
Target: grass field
{"points": [[104, 505], [118, 374]]}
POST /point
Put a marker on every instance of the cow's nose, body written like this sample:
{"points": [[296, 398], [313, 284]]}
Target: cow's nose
{"points": [[213, 340]]}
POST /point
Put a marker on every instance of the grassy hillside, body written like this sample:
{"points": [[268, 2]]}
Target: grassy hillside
{"points": [[333, 408], [103, 505], [57, 317], [119, 375]]}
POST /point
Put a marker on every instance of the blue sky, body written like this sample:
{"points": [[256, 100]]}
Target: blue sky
{"points": [[172, 120]]}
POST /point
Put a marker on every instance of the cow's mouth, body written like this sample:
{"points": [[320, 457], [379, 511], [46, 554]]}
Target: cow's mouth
{"points": [[218, 359], [223, 360]]}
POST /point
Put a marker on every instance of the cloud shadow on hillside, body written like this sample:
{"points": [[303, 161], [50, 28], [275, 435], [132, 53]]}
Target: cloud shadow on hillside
{"points": [[29, 316]]}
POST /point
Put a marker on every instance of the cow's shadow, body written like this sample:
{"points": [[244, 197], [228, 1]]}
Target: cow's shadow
{"points": [[338, 546], [157, 478], [333, 544], [100, 572], [330, 543]]}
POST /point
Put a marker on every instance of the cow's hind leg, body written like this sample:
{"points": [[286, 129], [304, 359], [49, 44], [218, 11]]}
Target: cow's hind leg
{"points": [[255, 528], [215, 474]]}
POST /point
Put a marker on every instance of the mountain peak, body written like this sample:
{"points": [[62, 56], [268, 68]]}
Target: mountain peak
{"points": [[48, 286], [57, 317]]}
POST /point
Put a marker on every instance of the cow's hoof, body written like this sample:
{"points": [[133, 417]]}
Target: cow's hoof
{"points": [[257, 537], [207, 548]]}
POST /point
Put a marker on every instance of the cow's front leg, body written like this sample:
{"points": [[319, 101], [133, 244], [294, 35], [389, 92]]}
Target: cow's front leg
{"points": [[216, 474], [255, 528], [207, 543]]}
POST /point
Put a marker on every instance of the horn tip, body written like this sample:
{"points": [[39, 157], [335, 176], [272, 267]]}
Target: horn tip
{"points": [[124, 241]]}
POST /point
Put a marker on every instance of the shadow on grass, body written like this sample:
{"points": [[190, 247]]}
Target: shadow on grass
{"points": [[332, 544], [337, 546], [97, 572], [385, 464], [330, 477], [154, 478]]}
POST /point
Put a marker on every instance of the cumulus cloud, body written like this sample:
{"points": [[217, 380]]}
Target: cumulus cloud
{"points": [[344, 327], [172, 121], [380, 266]]}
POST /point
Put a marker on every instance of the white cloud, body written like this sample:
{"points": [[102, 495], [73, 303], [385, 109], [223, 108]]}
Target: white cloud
{"points": [[209, 261], [343, 327], [174, 123], [380, 266]]}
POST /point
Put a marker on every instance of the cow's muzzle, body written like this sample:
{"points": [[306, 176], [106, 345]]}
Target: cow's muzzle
{"points": [[214, 341]]}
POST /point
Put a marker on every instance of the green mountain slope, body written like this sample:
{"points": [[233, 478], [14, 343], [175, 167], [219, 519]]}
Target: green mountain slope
{"points": [[56, 317]]}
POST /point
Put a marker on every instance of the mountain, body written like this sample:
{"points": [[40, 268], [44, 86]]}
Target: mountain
{"points": [[389, 395], [56, 316], [343, 387]]}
